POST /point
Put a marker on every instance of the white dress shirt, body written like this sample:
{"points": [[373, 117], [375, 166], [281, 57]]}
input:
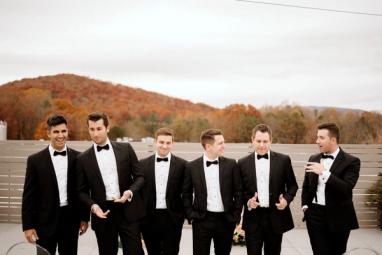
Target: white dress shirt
{"points": [[108, 167], [214, 198], [161, 177], [60, 165], [262, 177], [322, 179]]}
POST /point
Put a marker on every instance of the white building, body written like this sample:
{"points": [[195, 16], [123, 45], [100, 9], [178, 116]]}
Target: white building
{"points": [[3, 130]]}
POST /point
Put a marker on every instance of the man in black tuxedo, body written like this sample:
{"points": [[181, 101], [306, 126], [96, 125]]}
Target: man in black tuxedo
{"points": [[327, 193], [269, 186], [109, 183], [162, 193], [51, 213], [212, 196]]}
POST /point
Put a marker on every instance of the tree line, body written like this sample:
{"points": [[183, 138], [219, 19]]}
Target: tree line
{"points": [[26, 104]]}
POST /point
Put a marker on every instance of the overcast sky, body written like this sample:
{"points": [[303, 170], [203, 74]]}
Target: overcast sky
{"points": [[218, 52]]}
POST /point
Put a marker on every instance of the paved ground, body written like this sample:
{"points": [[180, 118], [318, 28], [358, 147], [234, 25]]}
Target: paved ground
{"points": [[295, 242]]}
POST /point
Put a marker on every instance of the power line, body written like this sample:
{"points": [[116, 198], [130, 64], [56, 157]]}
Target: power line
{"points": [[312, 8]]}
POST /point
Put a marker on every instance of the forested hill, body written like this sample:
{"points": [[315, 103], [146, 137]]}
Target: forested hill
{"points": [[25, 105]]}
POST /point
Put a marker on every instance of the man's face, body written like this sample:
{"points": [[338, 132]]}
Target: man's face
{"points": [[325, 143], [98, 131], [58, 136], [163, 145], [217, 148], [261, 142]]}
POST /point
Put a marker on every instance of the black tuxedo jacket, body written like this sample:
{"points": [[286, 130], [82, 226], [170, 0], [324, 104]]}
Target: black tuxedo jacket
{"points": [[281, 181], [91, 187], [338, 191], [41, 201], [195, 189], [174, 187]]}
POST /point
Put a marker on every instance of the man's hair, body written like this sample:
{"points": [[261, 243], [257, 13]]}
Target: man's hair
{"points": [[96, 116], [333, 129], [208, 136], [164, 131], [264, 128], [55, 120]]}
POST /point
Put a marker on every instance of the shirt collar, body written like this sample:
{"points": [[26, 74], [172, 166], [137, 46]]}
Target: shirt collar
{"points": [[335, 153], [107, 142], [51, 149], [205, 159], [167, 156], [269, 156]]}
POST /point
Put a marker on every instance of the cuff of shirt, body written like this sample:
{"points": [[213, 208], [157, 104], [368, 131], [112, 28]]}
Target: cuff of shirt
{"points": [[304, 207], [325, 176]]}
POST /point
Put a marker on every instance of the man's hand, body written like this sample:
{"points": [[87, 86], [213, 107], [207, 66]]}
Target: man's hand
{"points": [[314, 167], [252, 203], [98, 211], [127, 196], [83, 227], [31, 235], [282, 203]]}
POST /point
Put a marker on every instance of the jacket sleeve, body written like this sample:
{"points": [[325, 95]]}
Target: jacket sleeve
{"points": [[238, 193], [187, 192], [29, 200], [83, 186], [291, 183], [346, 183], [137, 171]]}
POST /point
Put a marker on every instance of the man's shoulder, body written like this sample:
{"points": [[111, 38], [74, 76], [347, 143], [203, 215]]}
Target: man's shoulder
{"points": [[85, 153], [246, 158], [39, 154], [228, 160], [279, 155], [122, 145], [147, 159], [178, 159], [195, 162], [71, 150], [348, 156]]}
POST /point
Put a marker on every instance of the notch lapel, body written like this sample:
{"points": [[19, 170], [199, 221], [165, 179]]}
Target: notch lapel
{"points": [[202, 175], [51, 173], [92, 161], [171, 173], [151, 174], [252, 170]]}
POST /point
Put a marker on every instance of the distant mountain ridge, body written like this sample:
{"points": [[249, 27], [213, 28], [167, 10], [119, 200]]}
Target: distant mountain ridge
{"points": [[75, 87]]}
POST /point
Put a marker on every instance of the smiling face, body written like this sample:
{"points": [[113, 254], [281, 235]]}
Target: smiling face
{"points": [[98, 131], [325, 143], [215, 149], [261, 142], [163, 145], [58, 136]]}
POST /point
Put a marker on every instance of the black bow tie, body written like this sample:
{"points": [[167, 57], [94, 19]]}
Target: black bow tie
{"points": [[62, 153], [324, 156], [162, 159], [100, 148], [262, 156], [215, 162]]}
